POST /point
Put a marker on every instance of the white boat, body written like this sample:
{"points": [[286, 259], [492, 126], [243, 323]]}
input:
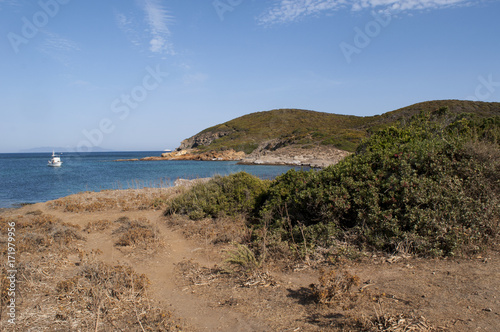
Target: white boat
{"points": [[55, 161]]}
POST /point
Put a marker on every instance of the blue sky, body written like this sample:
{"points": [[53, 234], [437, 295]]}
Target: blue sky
{"points": [[145, 74]]}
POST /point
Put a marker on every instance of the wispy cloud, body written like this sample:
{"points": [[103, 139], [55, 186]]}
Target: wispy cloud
{"points": [[129, 27], [10, 3], [156, 35], [285, 11], [59, 43], [58, 47], [158, 20]]}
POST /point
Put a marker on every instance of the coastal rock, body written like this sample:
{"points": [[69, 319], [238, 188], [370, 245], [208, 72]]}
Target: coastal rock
{"points": [[295, 155], [192, 154], [153, 159]]}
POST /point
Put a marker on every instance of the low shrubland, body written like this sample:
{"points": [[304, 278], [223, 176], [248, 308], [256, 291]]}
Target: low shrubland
{"points": [[430, 183], [231, 195]]}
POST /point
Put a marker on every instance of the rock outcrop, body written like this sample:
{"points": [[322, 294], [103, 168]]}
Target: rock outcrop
{"points": [[274, 153], [192, 154], [202, 139]]}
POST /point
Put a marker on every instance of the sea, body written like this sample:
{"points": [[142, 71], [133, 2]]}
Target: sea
{"points": [[25, 178]]}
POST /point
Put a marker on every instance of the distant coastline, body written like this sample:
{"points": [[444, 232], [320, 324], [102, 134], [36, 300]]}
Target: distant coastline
{"points": [[44, 149]]}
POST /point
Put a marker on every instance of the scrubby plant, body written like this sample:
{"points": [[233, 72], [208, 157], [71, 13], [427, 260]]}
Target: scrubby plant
{"points": [[41, 232], [432, 182], [334, 286], [137, 233], [242, 257], [234, 194], [97, 226]]}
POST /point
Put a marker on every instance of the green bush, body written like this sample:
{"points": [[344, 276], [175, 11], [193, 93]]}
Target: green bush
{"points": [[234, 194], [432, 182]]}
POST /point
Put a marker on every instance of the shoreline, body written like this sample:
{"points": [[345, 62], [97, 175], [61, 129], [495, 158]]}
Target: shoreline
{"points": [[258, 162], [279, 163], [316, 157], [186, 183]]}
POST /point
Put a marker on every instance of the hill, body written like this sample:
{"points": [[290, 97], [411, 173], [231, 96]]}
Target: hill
{"points": [[271, 130]]}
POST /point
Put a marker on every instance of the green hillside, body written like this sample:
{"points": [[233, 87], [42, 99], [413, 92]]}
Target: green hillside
{"points": [[308, 128]]}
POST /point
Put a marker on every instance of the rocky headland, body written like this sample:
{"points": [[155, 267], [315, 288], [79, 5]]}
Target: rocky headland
{"points": [[193, 154], [316, 157], [300, 137]]}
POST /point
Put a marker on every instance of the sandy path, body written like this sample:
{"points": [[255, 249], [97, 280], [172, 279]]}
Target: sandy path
{"points": [[198, 314]]}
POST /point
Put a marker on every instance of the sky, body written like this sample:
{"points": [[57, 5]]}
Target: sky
{"points": [[134, 75]]}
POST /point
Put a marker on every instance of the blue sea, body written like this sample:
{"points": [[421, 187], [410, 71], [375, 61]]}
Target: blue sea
{"points": [[26, 178]]}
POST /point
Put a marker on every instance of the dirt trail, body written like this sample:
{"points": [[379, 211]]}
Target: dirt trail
{"points": [[159, 267]]}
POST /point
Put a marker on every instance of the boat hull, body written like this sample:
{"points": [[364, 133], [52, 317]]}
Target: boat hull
{"points": [[55, 161]]}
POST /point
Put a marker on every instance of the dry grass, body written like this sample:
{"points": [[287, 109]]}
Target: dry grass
{"points": [[61, 288], [335, 287], [41, 232], [97, 226], [124, 200], [396, 323], [196, 275], [380, 323], [59, 296], [223, 230], [137, 234], [339, 289]]}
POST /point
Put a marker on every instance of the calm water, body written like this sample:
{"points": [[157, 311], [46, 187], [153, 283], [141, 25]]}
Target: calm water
{"points": [[26, 178]]}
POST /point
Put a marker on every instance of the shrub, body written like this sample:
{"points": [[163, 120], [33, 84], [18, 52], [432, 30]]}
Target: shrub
{"points": [[230, 195], [334, 286], [431, 182], [242, 257]]}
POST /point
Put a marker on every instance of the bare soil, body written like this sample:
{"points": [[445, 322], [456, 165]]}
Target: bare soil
{"points": [[61, 285]]}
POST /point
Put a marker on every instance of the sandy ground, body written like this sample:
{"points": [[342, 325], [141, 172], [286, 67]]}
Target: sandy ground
{"points": [[187, 280]]}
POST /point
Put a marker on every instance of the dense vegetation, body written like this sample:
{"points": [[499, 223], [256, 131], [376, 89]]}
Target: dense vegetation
{"points": [[308, 128], [234, 194], [428, 186], [432, 185]]}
